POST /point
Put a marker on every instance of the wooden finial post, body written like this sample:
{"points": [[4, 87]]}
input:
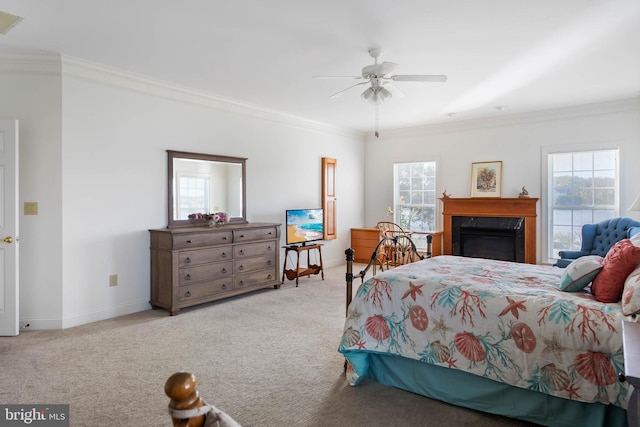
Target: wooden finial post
{"points": [[181, 388]]}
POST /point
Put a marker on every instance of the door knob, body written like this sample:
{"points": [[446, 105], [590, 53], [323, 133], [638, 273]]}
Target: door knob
{"points": [[8, 239]]}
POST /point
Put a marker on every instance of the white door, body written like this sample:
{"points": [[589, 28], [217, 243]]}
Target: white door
{"points": [[9, 227]]}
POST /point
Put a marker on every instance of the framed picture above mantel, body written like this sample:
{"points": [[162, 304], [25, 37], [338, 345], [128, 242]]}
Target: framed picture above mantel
{"points": [[486, 179]]}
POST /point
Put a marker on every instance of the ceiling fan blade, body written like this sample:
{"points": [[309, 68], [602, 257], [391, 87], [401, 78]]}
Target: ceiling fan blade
{"points": [[338, 77], [337, 94], [419, 78]]}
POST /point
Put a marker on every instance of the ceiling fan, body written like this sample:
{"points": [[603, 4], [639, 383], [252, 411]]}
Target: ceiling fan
{"points": [[379, 75]]}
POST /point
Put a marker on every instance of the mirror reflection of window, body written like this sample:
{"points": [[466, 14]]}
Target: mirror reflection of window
{"points": [[193, 196]]}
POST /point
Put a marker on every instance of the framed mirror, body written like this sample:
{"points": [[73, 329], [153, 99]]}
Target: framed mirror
{"points": [[205, 183]]}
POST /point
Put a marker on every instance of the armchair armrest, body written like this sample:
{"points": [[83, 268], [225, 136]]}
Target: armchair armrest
{"points": [[572, 254]]}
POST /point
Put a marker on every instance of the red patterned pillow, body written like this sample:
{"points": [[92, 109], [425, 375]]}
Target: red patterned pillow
{"points": [[619, 262]]}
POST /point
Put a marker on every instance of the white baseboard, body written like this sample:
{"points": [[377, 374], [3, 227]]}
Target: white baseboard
{"points": [[82, 318]]}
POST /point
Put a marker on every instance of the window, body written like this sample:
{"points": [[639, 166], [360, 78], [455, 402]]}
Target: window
{"points": [[582, 189], [193, 195], [414, 198]]}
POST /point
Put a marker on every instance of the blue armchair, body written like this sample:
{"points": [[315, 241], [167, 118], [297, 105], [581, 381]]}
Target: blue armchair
{"points": [[598, 238]]}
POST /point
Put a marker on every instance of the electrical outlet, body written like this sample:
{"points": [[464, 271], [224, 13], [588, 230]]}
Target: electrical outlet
{"points": [[113, 280]]}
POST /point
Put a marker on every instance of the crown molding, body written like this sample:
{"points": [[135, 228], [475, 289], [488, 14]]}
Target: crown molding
{"points": [[17, 61], [14, 61], [98, 73], [585, 110]]}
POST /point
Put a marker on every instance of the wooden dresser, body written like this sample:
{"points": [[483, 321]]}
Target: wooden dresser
{"points": [[195, 265]]}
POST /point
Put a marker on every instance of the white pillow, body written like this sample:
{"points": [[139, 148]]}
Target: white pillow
{"points": [[580, 273], [631, 293]]}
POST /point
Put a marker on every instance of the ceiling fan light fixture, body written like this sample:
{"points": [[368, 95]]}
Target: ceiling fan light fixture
{"points": [[376, 95], [384, 94], [368, 94]]}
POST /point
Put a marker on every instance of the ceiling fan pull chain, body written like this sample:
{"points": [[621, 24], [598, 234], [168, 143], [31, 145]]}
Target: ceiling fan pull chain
{"points": [[377, 134]]}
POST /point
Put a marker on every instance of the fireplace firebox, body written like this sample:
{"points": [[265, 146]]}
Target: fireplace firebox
{"points": [[488, 237]]}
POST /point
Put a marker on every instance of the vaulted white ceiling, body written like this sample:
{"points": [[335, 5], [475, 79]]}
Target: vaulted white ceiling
{"points": [[524, 55]]}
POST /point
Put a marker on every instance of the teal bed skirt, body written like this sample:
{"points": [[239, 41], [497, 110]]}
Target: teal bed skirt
{"points": [[483, 394]]}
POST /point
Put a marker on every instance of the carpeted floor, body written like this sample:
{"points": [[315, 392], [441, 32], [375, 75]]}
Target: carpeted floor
{"points": [[268, 358]]}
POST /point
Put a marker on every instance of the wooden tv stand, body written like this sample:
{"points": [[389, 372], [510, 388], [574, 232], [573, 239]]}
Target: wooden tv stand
{"points": [[302, 271]]}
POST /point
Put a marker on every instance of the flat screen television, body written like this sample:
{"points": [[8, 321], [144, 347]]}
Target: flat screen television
{"points": [[304, 225]]}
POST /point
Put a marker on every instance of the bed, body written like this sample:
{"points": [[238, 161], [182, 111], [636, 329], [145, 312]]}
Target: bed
{"points": [[490, 335]]}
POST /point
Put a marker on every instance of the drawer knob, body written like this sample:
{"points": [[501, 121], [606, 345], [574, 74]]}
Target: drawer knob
{"points": [[224, 286], [187, 294], [187, 260], [241, 252], [224, 238], [269, 248], [189, 241], [224, 270], [269, 276], [187, 277], [242, 235], [241, 267], [241, 283], [270, 233], [269, 262], [224, 255]]}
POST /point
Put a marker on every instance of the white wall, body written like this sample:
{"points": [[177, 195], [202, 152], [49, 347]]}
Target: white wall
{"points": [[31, 92], [101, 143], [517, 140]]}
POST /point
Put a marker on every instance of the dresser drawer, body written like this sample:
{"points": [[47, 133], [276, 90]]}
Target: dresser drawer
{"points": [[204, 272], [204, 290], [254, 263], [253, 249], [194, 240], [203, 256], [254, 278], [252, 234]]}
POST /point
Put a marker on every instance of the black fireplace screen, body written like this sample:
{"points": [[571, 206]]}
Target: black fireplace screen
{"points": [[488, 237]]}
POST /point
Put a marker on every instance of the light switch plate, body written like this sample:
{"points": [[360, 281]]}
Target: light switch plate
{"points": [[31, 208]]}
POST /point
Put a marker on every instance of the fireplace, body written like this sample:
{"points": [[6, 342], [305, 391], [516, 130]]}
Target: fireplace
{"points": [[488, 237], [522, 210]]}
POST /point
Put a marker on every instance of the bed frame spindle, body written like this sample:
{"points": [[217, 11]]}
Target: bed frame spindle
{"points": [[390, 252]]}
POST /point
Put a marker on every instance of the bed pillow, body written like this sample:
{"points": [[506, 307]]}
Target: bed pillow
{"points": [[619, 262], [631, 293], [580, 273]]}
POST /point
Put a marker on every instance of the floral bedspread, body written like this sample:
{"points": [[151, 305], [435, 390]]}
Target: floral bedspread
{"points": [[500, 320]]}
